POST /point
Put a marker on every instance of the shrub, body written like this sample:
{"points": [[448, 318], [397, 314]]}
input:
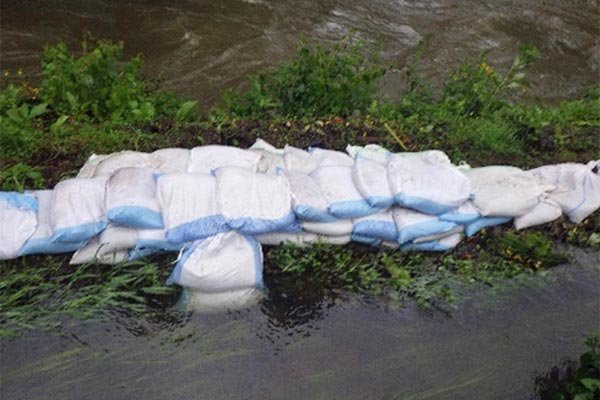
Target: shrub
{"points": [[317, 82]]}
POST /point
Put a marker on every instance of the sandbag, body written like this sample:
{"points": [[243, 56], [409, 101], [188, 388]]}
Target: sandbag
{"points": [[18, 222], [131, 199], [444, 244], [125, 159], [41, 240], [226, 261], [254, 203], [484, 222], [546, 211], [197, 301], [501, 191], [344, 200], [379, 226], [412, 225], [298, 160], [427, 186], [152, 241], [172, 160], [576, 187], [371, 152], [89, 168], [206, 159], [109, 247], [189, 207], [308, 202], [271, 158], [370, 178], [341, 227], [77, 211], [464, 214]]}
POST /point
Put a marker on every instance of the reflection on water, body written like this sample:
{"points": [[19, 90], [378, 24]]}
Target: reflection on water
{"points": [[308, 343], [201, 47]]}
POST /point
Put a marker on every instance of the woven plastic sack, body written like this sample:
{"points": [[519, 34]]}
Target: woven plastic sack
{"points": [[18, 221], [378, 226], [109, 247], [308, 202], [206, 159], [189, 207], [172, 160], [224, 262], [413, 225], [77, 211], [371, 180], [252, 202], [131, 199], [271, 158], [546, 211], [124, 159]]}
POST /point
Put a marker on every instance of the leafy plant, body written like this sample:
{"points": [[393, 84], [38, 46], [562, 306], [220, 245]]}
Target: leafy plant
{"points": [[317, 82]]}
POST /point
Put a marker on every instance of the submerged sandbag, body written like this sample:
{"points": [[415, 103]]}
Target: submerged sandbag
{"points": [[252, 202], [427, 184], [18, 222], [576, 187], [77, 211], [41, 240], [224, 262], [206, 159], [189, 206], [131, 199], [198, 301]]}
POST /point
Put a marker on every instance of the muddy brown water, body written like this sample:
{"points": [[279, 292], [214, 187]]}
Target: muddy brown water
{"points": [[297, 343], [201, 47]]}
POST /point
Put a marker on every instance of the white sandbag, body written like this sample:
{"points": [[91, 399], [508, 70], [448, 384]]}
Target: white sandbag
{"points": [[77, 211], [131, 199], [371, 152], [197, 301], [577, 187], [370, 178], [444, 244], [341, 227], [152, 241], [308, 202], [298, 160], [546, 211], [189, 206], [344, 200], [380, 226], [226, 261], [368, 240], [89, 168], [271, 158], [125, 159], [278, 238], [18, 222], [41, 240], [501, 191], [109, 247], [439, 236], [252, 202], [172, 160], [206, 159], [425, 185], [430, 156], [412, 225], [484, 222], [464, 214]]}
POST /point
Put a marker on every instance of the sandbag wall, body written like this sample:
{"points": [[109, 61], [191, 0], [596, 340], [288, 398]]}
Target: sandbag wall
{"points": [[216, 205]]}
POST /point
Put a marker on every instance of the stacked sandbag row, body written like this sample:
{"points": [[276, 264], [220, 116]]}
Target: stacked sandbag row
{"points": [[216, 204]]}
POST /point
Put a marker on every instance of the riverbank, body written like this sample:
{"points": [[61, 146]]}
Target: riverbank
{"points": [[326, 97]]}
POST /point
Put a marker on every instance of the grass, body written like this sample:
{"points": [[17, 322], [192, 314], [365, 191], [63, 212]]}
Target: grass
{"points": [[97, 102]]}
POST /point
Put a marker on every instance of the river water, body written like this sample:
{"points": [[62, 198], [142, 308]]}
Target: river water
{"points": [[300, 344], [199, 48]]}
